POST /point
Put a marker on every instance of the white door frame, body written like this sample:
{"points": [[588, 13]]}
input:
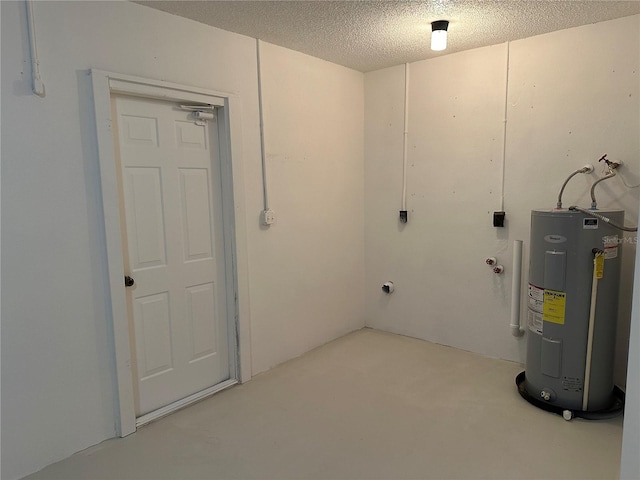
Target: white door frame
{"points": [[104, 85]]}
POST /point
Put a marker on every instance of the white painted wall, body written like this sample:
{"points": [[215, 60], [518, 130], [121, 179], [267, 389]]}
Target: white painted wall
{"points": [[572, 96], [313, 254], [57, 372], [444, 290]]}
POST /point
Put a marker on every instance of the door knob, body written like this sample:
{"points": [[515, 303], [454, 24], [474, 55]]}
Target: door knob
{"points": [[128, 281]]}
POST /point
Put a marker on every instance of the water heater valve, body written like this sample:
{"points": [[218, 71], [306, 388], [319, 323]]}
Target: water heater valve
{"points": [[611, 164]]}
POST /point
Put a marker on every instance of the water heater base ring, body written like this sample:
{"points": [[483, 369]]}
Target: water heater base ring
{"points": [[616, 408]]}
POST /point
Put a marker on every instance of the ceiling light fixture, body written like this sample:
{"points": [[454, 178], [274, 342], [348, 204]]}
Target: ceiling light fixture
{"points": [[439, 34]]}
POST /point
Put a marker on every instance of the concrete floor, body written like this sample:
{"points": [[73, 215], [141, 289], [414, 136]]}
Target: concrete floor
{"points": [[370, 405]]}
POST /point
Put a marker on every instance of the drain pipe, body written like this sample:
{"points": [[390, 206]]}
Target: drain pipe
{"points": [[516, 289], [598, 264]]}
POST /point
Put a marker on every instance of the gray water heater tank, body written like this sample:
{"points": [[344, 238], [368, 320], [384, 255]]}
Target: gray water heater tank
{"points": [[559, 369]]}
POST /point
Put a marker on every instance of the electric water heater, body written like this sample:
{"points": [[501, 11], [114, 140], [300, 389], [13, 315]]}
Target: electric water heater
{"points": [[574, 277]]}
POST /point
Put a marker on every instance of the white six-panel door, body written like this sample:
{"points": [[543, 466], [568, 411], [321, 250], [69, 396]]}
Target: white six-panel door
{"points": [[174, 251]]}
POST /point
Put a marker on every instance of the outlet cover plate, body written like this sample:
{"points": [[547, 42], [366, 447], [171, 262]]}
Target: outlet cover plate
{"points": [[268, 217]]}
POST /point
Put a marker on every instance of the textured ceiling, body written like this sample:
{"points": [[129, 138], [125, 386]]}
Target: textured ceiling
{"points": [[369, 35]]}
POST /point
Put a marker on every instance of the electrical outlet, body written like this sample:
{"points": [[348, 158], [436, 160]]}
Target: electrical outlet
{"points": [[268, 217]]}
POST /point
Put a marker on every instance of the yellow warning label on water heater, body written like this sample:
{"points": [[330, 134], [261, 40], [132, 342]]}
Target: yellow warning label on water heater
{"points": [[554, 306], [599, 266]]}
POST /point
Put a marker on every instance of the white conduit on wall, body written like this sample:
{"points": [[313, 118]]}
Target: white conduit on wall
{"points": [[504, 131], [516, 290], [262, 151], [516, 280], [405, 137], [37, 84]]}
